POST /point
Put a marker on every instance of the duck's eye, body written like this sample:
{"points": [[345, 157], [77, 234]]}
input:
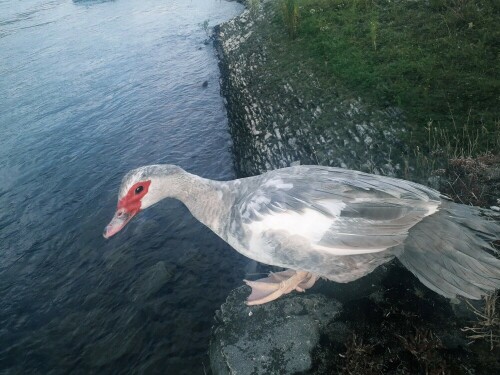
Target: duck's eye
{"points": [[138, 189]]}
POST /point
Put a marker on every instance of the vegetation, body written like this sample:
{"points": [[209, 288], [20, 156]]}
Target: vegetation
{"points": [[206, 27], [395, 331], [254, 6], [438, 60], [290, 14], [487, 327]]}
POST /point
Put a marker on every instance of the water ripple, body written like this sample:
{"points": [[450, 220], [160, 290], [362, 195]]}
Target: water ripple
{"points": [[93, 89]]}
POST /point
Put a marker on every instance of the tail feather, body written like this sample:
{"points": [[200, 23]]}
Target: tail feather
{"points": [[486, 229], [436, 277], [451, 252], [457, 254]]}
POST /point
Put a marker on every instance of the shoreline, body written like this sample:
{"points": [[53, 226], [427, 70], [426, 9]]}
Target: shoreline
{"points": [[278, 119], [282, 113]]}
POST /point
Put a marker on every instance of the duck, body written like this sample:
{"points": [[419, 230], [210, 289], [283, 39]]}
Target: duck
{"points": [[327, 222]]}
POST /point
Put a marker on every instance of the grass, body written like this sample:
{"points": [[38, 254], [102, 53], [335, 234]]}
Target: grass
{"points": [[487, 326], [438, 60], [359, 359], [424, 346], [254, 6], [441, 148], [290, 14]]}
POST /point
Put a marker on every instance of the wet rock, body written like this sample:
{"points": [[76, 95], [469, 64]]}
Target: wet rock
{"points": [[275, 338], [151, 281]]}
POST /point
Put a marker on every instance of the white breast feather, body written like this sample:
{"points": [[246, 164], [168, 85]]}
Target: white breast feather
{"points": [[309, 224]]}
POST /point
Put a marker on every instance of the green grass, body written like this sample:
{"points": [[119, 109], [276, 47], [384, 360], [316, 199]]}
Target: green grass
{"points": [[438, 60], [290, 14]]}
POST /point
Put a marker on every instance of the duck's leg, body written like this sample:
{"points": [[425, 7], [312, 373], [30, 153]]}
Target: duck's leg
{"points": [[278, 283]]}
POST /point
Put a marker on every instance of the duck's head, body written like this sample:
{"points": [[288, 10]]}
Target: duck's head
{"points": [[140, 188]]}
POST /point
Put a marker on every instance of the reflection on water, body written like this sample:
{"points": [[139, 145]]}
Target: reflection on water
{"points": [[90, 92]]}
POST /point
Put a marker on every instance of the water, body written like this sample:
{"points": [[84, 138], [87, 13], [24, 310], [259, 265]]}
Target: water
{"points": [[90, 90]]}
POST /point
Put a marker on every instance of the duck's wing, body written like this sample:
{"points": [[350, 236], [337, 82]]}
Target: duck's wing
{"points": [[332, 210]]}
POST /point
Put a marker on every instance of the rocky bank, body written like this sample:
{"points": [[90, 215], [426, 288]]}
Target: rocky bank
{"points": [[282, 112]]}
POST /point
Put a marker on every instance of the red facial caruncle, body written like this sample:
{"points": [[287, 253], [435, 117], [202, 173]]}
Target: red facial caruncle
{"points": [[127, 208], [131, 202]]}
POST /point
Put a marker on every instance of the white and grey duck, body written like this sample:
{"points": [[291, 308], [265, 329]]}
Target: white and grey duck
{"points": [[328, 222]]}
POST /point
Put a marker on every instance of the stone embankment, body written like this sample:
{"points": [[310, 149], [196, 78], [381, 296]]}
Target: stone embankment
{"points": [[281, 112]]}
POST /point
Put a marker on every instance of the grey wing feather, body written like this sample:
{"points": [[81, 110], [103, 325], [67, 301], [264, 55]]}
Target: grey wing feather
{"points": [[376, 213]]}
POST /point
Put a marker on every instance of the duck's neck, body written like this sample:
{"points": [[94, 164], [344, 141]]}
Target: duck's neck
{"points": [[208, 201]]}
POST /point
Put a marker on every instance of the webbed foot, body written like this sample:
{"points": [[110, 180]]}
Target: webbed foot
{"points": [[278, 283]]}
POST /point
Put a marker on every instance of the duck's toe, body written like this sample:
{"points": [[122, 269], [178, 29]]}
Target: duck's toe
{"points": [[276, 284]]}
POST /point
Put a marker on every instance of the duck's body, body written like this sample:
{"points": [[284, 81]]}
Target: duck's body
{"points": [[330, 222], [333, 222]]}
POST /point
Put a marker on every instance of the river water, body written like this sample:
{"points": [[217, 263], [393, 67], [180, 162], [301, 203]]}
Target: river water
{"points": [[90, 90]]}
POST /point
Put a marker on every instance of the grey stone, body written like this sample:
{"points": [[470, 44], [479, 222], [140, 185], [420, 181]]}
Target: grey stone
{"points": [[275, 338]]}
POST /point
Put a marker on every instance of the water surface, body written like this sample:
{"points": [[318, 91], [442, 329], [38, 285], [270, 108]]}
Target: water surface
{"points": [[91, 89]]}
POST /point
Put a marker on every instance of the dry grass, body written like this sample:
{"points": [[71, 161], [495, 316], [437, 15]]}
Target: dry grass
{"points": [[467, 179], [423, 345], [474, 181], [358, 358], [487, 326]]}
